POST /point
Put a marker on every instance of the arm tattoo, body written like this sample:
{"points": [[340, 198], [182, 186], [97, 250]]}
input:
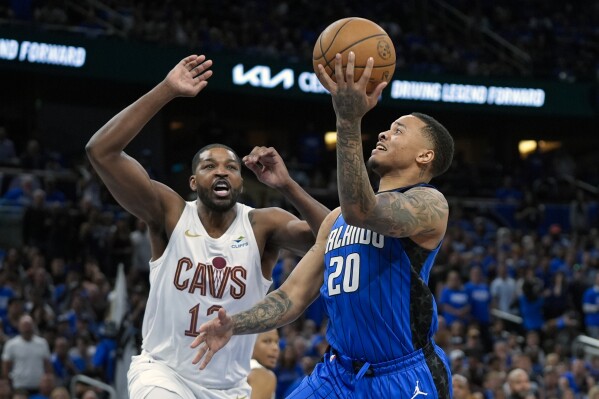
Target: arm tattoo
{"points": [[417, 211], [263, 316], [354, 185]]}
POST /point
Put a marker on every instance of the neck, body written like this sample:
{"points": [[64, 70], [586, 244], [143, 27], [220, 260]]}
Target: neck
{"points": [[392, 182], [215, 222]]}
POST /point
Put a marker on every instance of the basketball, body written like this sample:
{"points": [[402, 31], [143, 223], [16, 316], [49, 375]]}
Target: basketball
{"points": [[366, 39]]}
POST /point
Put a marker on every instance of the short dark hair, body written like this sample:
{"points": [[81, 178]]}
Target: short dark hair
{"points": [[196, 158], [442, 143]]}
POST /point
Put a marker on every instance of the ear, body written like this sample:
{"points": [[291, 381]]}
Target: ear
{"points": [[192, 183], [425, 157]]}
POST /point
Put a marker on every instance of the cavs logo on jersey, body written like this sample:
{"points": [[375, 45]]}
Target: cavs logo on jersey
{"points": [[239, 242], [213, 278]]}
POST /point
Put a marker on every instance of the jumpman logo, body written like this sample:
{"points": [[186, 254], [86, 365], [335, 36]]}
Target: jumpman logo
{"points": [[417, 391]]}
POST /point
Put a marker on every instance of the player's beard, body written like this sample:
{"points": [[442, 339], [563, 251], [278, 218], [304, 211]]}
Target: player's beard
{"points": [[206, 197]]}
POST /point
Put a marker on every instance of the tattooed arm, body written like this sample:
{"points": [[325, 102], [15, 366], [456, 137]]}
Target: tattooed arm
{"points": [[417, 212], [279, 308]]}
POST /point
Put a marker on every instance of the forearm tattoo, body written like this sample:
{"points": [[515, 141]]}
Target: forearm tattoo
{"points": [[354, 185], [263, 316]]}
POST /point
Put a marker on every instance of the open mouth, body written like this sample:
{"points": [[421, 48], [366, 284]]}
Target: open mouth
{"points": [[221, 188], [380, 147]]}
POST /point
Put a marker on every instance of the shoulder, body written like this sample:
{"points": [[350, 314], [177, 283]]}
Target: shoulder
{"points": [[262, 375], [426, 193], [330, 219], [270, 218]]}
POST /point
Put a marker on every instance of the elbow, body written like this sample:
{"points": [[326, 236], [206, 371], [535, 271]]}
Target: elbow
{"points": [[353, 217], [91, 150]]}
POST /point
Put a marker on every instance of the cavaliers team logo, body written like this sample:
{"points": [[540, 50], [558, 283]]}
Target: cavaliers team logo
{"points": [[216, 277]]}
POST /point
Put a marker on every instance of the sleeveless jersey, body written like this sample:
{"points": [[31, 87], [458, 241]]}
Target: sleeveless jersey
{"points": [[376, 294], [194, 277]]}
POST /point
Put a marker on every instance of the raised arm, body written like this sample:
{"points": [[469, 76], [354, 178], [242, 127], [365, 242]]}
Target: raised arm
{"points": [[418, 211], [279, 308], [126, 179]]}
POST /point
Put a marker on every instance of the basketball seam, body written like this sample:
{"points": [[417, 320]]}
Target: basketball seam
{"points": [[361, 40], [374, 66], [322, 52]]}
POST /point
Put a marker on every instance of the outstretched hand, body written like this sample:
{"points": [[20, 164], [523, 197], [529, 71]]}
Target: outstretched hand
{"points": [[189, 76], [268, 166], [214, 335], [350, 99]]}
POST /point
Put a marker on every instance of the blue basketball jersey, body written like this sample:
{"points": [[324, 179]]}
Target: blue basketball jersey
{"points": [[376, 294]]}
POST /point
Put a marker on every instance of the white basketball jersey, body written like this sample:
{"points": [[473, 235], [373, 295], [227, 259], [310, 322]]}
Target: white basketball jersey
{"points": [[195, 276]]}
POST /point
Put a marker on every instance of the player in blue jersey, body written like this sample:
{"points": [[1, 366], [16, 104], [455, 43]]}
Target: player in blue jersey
{"points": [[378, 251]]}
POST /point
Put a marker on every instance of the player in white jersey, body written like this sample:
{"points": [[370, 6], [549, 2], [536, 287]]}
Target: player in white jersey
{"points": [[206, 254]]}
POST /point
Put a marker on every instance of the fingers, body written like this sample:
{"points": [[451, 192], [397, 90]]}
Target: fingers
{"points": [[339, 71], [349, 70], [325, 79], [378, 90], [207, 359], [198, 340], [202, 350], [263, 156], [222, 315], [202, 71], [367, 72]]}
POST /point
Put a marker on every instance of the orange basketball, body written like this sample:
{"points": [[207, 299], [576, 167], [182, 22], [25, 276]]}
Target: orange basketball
{"points": [[363, 37]]}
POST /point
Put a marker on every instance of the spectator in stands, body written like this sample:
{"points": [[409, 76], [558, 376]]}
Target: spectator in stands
{"points": [[26, 357], [54, 196], [503, 289], [454, 301], [594, 392], [8, 155], [461, 388], [530, 213], [34, 157], [89, 394], [508, 193], [479, 296], [531, 305], [580, 216], [288, 370], [62, 362], [36, 221], [518, 385], [22, 194], [591, 309], [47, 385], [16, 309], [577, 379], [104, 359], [140, 251], [81, 354], [6, 293], [60, 393], [20, 394]]}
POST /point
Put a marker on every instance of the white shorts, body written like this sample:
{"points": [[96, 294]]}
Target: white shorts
{"points": [[146, 373]]}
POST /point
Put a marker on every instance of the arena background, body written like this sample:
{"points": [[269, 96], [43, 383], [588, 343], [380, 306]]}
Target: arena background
{"points": [[67, 67]]}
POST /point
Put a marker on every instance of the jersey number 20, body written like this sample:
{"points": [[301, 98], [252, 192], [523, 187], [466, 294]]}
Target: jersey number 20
{"points": [[349, 267]]}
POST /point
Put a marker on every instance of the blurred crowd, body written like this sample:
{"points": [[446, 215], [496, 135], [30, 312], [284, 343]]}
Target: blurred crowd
{"points": [[515, 289], [516, 280], [555, 40]]}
